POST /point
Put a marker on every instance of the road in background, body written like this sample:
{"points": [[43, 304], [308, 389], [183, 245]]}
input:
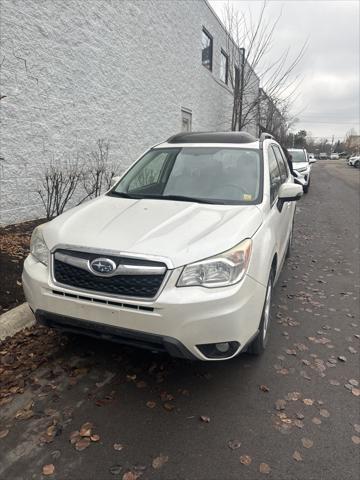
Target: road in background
{"points": [[291, 414]]}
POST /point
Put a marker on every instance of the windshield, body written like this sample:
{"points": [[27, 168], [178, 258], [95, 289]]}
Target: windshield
{"points": [[298, 156], [206, 175]]}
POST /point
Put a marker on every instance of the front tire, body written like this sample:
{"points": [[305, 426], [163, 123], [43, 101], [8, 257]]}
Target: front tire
{"points": [[306, 188], [258, 345]]}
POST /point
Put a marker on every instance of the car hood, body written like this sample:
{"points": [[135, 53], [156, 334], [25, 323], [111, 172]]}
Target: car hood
{"points": [[299, 165], [182, 232]]}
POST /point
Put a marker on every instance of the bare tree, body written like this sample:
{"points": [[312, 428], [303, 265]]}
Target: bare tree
{"points": [[58, 184], [97, 174], [248, 44]]}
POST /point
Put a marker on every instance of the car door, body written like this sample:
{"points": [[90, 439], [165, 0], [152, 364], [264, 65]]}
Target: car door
{"points": [[278, 216]]}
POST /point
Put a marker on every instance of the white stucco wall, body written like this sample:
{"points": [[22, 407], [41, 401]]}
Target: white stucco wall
{"points": [[76, 71]]}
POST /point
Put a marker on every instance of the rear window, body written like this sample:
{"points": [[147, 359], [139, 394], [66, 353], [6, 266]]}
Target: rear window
{"points": [[298, 156]]}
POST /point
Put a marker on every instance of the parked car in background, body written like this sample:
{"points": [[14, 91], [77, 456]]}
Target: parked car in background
{"points": [[334, 156], [354, 161], [180, 255], [323, 156], [302, 165]]}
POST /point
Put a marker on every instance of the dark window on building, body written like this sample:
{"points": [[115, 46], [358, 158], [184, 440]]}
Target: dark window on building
{"points": [[224, 67], [207, 49]]}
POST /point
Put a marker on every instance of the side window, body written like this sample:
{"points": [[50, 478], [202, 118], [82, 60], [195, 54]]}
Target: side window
{"points": [[282, 163], [275, 176], [150, 174]]}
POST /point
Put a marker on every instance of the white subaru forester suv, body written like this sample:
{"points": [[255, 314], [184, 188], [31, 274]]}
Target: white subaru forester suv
{"points": [[180, 255]]}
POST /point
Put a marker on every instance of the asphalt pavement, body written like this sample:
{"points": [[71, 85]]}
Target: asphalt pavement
{"points": [[292, 413]]}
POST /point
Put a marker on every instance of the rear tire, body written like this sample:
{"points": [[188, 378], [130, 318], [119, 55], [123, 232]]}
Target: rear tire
{"points": [[258, 345]]}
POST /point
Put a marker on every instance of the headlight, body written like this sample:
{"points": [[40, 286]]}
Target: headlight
{"points": [[219, 271], [38, 246]]}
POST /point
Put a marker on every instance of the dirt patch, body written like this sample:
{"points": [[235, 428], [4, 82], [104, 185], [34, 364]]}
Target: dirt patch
{"points": [[14, 248]]}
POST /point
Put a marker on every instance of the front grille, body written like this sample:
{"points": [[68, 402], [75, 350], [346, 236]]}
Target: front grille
{"points": [[143, 286]]}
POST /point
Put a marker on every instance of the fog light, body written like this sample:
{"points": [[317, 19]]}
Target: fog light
{"points": [[222, 347], [219, 350]]}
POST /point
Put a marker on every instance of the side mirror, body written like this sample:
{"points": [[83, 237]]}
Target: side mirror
{"points": [[114, 181], [290, 192], [312, 160]]}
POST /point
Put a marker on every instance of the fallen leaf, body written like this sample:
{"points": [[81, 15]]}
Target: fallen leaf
{"points": [[81, 444], [151, 404], [3, 433], [308, 401], [352, 350], [355, 439], [169, 406], [356, 392], [334, 382], [264, 468], [307, 443], [299, 423], [141, 384], [95, 438], [264, 388], [324, 413], [357, 427], [118, 446], [159, 461], [297, 456], [245, 459], [48, 469], [85, 430], [205, 419], [316, 420], [294, 396], [234, 444], [130, 475], [115, 469], [74, 437], [280, 404], [342, 358]]}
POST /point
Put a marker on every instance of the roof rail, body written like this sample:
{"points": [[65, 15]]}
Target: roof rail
{"points": [[266, 136]]}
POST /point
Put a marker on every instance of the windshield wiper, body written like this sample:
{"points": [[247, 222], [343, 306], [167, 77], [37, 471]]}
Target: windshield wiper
{"points": [[180, 198], [184, 198], [125, 195]]}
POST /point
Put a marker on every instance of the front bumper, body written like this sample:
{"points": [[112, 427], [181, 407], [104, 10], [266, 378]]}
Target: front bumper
{"points": [[177, 321], [306, 175]]}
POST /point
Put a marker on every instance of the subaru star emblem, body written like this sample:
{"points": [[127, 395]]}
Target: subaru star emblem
{"points": [[102, 266]]}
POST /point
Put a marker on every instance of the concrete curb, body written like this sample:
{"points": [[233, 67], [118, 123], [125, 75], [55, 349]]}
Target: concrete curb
{"points": [[15, 320]]}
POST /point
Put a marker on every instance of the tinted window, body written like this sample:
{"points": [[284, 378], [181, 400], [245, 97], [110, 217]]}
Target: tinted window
{"points": [[282, 163], [275, 177], [207, 49], [217, 175], [224, 66]]}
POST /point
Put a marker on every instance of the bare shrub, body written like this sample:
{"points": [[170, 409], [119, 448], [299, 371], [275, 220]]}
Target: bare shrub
{"points": [[99, 171], [58, 184]]}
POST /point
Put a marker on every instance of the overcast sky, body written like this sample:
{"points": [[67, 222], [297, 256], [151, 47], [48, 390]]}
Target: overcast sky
{"points": [[329, 100]]}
